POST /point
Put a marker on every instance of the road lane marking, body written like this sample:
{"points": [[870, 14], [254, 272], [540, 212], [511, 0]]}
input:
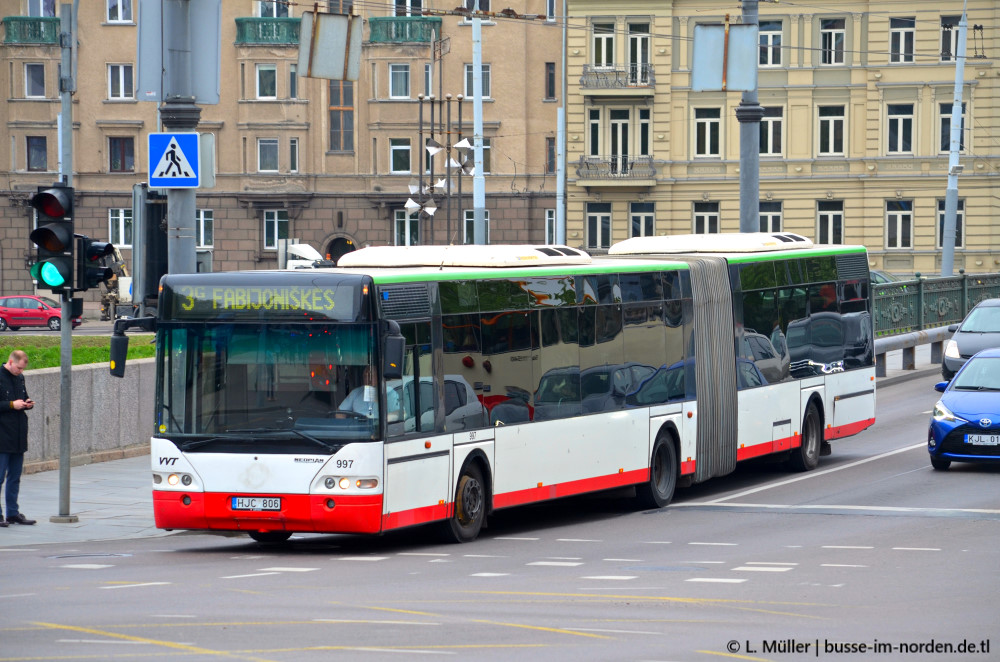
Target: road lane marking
{"points": [[126, 637], [833, 507], [623, 560], [137, 585], [359, 621], [288, 569], [716, 544], [763, 568], [577, 540], [412, 651], [716, 580], [255, 574], [616, 631], [423, 554], [543, 629], [846, 547], [513, 538], [362, 558], [811, 474], [769, 563], [561, 564], [87, 566], [917, 549], [490, 574]]}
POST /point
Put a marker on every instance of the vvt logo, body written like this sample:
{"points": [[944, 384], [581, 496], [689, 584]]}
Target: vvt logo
{"points": [[168, 461]]}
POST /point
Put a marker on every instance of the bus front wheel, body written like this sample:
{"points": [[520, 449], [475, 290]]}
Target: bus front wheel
{"points": [[659, 490], [806, 456], [470, 506]]}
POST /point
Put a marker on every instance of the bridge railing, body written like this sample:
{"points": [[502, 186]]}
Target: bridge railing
{"points": [[916, 312]]}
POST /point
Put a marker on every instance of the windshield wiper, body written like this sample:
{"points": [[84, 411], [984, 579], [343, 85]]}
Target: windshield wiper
{"points": [[977, 388], [196, 443], [316, 440]]}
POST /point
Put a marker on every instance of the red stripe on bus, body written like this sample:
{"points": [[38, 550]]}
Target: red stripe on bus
{"points": [[848, 429], [299, 512], [687, 467], [416, 516], [571, 488]]}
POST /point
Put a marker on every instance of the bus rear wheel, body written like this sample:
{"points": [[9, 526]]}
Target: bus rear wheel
{"points": [[659, 490], [806, 456], [270, 537], [470, 506]]}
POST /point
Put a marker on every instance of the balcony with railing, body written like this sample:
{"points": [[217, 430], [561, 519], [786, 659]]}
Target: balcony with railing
{"points": [[267, 31], [30, 30], [403, 29], [627, 80], [616, 170]]}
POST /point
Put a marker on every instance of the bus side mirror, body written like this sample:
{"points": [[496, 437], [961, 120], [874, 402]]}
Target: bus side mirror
{"points": [[119, 350], [392, 357]]}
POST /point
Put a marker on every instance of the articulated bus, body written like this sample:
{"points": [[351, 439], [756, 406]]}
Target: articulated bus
{"points": [[414, 385]]}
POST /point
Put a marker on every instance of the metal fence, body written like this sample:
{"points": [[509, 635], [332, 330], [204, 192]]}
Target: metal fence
{"points": [[927, 303]]}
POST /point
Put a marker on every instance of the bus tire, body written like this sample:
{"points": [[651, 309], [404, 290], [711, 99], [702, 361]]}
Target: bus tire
{"points": [[806, 456], [470, 506], [270, 537], [659, 490]]}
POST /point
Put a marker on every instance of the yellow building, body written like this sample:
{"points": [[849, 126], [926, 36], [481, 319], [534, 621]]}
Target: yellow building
{"points": [[330, 163], [854, 142]]}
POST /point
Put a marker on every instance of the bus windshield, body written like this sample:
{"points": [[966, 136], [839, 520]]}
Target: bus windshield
{"points": [[235, 387]]}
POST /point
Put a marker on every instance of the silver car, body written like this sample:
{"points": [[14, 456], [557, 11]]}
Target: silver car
{"points": [[979, 330]]}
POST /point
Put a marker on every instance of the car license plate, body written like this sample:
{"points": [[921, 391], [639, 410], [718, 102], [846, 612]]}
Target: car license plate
{"points": [[256, 503], [983, 439]]}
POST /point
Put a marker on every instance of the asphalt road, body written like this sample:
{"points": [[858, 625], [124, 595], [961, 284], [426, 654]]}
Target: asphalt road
{"points": [[873, 549]]}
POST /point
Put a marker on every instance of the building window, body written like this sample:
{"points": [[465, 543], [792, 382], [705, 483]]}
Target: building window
{"points": [[550, 80], [470, 226], [832, 36], [959, 224], [293, 81], [707, 125], [275, 227], [770, 216], [120, 227], [706, 217], [550, 155], [399, 155], [831, 130], [769, 35], [37, 151], [267, 81], [830, 221], [42, 8], [899, 224], [550, 10], [945, 142], [341, 116], [399, 81], [599, 225], [408, 7], [487, 156], [121, 155], [550, 226], [119, 11], [900, 128], [120, 82], [644, 124], [34, 80], [267, 155], [486, 81], [901, 35], [949, 37], [637, 54], [642, 219], [293, 155], [407, 228], [272, 8], [484, 5], [205, 227], [770, 131], [428, 80], [594, 131], [604, 44]]}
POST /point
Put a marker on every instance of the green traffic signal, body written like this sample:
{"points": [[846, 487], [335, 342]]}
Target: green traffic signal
{"points": [[53, 268]]}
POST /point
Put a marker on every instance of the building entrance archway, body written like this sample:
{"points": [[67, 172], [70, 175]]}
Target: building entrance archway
{"points": [[338, 247]]}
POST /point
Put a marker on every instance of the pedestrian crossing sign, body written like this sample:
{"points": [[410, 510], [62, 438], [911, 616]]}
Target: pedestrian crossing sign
{"points": [[173, 160]]}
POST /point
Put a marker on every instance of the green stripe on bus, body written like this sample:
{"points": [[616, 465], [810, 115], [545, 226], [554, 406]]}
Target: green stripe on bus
{"points": [[525, 272], [785, 255]]}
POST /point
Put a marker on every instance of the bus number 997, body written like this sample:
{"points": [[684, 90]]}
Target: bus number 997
{"points": [[345, 464]]}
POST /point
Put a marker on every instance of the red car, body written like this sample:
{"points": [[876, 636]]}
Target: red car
{"points": [[27, 310]]}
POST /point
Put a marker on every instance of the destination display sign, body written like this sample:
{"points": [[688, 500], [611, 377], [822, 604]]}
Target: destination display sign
{"points": [[259, 301]]}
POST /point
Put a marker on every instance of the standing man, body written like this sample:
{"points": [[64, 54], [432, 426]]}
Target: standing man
{"points": [[14, 403]]}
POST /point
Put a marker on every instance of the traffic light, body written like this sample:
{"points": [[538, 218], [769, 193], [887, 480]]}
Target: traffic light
{"points": [[53, 268], [91, 271]]}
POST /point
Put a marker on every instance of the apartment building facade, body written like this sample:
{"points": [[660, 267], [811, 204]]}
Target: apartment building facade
{"points": [[332, 163], [854, 142]]}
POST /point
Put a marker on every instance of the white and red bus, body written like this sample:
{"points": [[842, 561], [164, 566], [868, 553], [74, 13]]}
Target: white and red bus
{"points": [[412, 385]]}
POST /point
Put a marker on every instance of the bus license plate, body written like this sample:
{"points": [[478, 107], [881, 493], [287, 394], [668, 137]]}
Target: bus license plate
{"points": [[983, 439], [256, 503]]}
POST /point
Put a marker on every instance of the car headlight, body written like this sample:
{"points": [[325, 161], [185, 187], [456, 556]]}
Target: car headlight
{"points": [[942, 413], [951, 350]]}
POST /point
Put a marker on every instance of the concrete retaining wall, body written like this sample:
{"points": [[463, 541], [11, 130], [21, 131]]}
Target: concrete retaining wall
{"points": [[111, 418]]}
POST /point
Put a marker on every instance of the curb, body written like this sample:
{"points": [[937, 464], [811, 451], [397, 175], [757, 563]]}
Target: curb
{"points": [[909, 375]]}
